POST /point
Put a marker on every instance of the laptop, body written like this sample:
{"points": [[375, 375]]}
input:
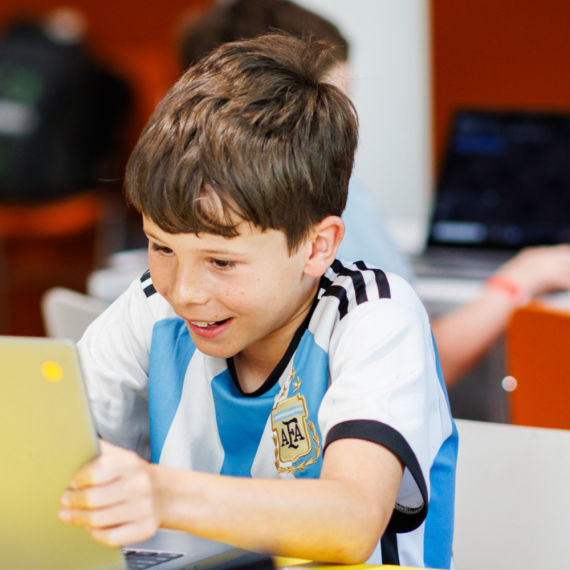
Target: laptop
{"points": [[46, 434], [505, 185]]}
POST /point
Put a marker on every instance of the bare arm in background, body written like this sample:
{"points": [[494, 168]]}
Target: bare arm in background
{"points": [[463, 336]]}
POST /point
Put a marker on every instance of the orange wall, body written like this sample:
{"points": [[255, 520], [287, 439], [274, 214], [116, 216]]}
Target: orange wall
{"points": [[116, 22], [499, 53]]}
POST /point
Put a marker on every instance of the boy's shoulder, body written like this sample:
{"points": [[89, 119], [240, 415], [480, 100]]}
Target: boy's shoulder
{"points": [[360, 285], [362, 304]]}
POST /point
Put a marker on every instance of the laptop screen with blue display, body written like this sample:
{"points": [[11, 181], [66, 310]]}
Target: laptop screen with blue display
{"points": [[505, 183]]}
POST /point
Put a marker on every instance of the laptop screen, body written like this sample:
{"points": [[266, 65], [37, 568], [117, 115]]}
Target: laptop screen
{"points": [[505, 183]]}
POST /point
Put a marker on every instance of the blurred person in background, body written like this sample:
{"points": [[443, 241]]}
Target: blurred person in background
{"points": [[464, 335], [60, 110]]}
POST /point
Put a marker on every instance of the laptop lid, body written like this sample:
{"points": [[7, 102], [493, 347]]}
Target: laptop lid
{"points": [[46, 434], [505, 182]]}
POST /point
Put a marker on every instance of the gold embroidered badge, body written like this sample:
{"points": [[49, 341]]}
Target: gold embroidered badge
{"points": [[292, 439]]}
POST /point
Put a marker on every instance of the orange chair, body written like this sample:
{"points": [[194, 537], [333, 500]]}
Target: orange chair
{"points": [[41, 246], [538, 357], [50, 219]]}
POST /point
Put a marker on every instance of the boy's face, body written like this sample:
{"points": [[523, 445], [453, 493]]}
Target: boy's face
{"points": [[234, 293]]}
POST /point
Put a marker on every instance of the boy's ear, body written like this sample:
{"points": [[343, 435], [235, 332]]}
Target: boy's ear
{"points": [[323, 243]]}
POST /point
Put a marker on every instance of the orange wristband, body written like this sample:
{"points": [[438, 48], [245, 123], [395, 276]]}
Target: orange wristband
{"points": [[517, 293]]}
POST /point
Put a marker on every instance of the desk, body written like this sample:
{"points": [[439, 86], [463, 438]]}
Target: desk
{"points": [[123, 268], [296, 563], [442, 294]]}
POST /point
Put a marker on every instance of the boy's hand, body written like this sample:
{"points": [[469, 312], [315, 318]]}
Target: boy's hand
{"points": [[115, 498]]}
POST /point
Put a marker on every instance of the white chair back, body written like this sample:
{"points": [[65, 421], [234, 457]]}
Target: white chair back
{"points": [[67, 313], [513, 497]]}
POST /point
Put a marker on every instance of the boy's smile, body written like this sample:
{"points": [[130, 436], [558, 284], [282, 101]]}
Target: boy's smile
{"points": [[209, 330], [243, 296]]}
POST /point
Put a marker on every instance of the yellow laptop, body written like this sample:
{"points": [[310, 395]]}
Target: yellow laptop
{"points": [[46, 434]]}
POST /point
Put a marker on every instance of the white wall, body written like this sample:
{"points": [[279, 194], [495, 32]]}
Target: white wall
{"points": [[390, 63]]}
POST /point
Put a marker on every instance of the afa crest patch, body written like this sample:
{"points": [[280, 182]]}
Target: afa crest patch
{"points": [[293, 434]]}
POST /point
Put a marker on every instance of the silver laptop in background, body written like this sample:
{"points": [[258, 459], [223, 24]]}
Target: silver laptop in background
{"points": [[46, 434], [505, 185]]}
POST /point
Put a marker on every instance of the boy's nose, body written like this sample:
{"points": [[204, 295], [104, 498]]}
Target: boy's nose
{"points": [[187, 288]]}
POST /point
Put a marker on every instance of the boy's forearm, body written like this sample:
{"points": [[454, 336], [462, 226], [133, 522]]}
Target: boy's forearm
{"points": [[333, 519], [313, 518]]}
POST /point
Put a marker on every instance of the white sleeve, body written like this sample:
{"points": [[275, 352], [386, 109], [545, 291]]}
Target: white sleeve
{"points": [[385, 389], [114, 354]]}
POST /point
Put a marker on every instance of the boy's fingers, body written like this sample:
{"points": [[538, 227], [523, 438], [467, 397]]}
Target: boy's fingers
{"points": [[110, 465], [94, 497], [124, 534], [97, 472], [124, 513]]}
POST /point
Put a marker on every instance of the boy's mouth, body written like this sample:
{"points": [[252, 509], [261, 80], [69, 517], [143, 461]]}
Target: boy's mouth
{"points": [[205, 324], [209, 329]]}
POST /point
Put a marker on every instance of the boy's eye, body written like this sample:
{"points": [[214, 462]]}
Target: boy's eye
{"points": [[223, 263], [161, 248]]}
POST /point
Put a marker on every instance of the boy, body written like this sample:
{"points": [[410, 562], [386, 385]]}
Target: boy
{"points": [[248, 351]]}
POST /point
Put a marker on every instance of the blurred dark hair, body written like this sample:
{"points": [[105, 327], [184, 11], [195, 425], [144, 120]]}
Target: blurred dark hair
{"points": [[243, 19], [251, 132]]}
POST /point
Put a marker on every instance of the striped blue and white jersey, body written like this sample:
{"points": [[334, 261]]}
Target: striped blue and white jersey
{"points": [[363, 365]]}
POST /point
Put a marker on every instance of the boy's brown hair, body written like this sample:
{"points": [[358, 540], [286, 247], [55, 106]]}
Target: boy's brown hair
{"points": [[251, 132]]}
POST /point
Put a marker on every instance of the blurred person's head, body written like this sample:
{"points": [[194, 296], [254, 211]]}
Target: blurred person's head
{"points": [[66, 25], [243, 19], [248, 131]]}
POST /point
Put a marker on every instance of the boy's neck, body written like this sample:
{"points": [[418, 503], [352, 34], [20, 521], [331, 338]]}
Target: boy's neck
{"points": [[255, 363]]}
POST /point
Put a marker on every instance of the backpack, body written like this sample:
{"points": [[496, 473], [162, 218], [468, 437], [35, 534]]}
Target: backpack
{"points": [[59, 116]]}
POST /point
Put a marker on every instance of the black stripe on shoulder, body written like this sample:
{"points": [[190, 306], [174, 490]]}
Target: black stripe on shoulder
{"points": [[149, 290], [340, 293], [389, 546], [325, 283], [381, 279], [403, 520], [357, 280]]}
